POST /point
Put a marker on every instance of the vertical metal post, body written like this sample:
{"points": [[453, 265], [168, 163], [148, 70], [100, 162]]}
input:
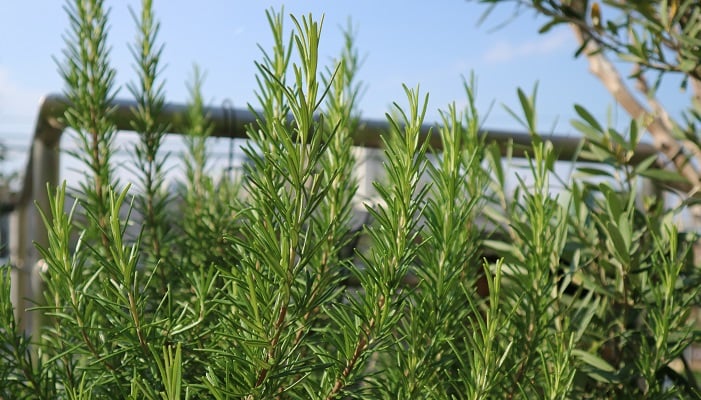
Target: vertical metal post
{"points": [[18, 255], [45, 172]]}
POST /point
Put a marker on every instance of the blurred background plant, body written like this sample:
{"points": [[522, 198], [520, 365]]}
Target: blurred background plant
{"points": [[635, 48]]}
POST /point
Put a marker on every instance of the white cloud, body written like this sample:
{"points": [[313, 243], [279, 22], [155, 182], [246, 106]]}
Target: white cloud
{"points": [[505, 51]]}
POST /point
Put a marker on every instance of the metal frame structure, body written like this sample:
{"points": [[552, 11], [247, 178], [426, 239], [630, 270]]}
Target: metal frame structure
{"points": [[27, 228]]}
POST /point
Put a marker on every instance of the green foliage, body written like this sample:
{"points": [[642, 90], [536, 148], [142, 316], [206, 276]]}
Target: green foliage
{"points": [[641, 269], [468, 290], [150, 98], [659, 42]]}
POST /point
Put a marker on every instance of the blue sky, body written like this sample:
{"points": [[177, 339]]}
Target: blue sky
{"points": [[404, 41]]}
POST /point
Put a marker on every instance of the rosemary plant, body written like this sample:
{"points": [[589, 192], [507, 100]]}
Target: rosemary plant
{"points": [[90, 90], [467, 290], [150, 97], [289, 239]]}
